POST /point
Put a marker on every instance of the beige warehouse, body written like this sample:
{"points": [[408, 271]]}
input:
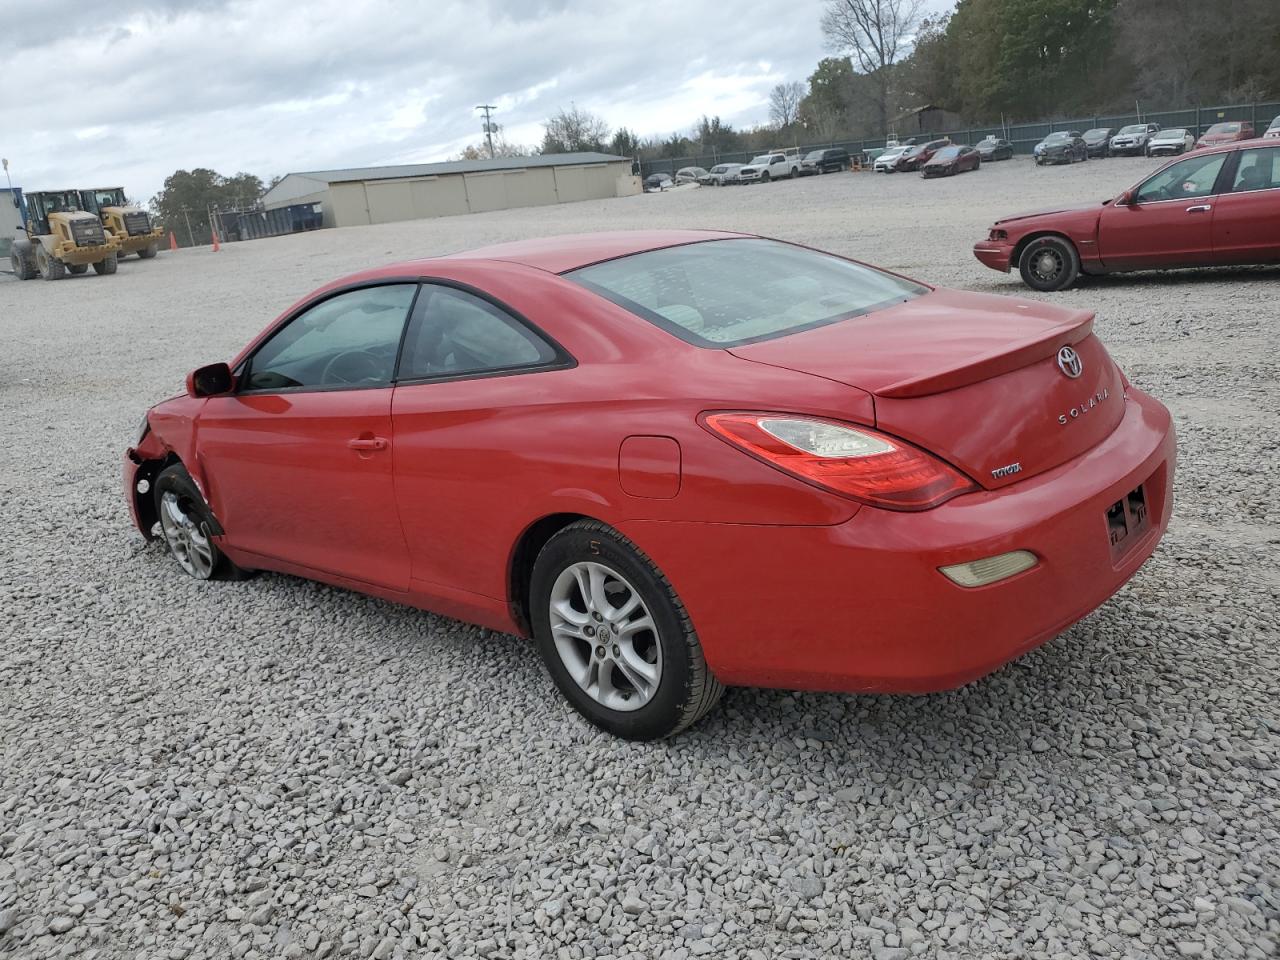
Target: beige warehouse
{"points": [[413, 191]]}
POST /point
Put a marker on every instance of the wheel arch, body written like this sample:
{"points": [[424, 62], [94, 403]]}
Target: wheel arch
{"points": [[523, 555]]}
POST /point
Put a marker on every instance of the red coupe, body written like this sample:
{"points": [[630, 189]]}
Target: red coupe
{"points": [[677, 460], [1214, 207]]}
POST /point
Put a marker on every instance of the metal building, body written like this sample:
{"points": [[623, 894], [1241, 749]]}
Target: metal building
{"points": [[413, 191]]}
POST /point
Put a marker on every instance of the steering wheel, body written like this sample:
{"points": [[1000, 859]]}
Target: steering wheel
{"points": [[346, 367]]}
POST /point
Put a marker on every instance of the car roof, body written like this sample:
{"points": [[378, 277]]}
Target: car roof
{"points": [[571, 251]]}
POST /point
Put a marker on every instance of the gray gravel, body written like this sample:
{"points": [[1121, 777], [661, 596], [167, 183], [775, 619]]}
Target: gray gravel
{"points": [[280, 769]]}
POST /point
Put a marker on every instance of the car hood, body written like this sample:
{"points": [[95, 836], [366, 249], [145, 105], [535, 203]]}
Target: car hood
{"points": [[1049, 212], [975, 378]]}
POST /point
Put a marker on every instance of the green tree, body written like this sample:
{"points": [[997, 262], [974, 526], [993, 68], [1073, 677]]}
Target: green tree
{"points": [[184, 203], [624, 143]]}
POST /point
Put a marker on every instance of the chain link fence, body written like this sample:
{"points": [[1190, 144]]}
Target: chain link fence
{"points": [[1023, 136]]}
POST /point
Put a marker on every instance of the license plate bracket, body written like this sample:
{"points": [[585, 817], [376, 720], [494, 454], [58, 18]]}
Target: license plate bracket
{"points": [[1127, 520]]}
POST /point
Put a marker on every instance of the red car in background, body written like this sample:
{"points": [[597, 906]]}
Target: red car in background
{"points": [[677, 460], [950, 160], [1222, 133], [1213, 207], [918, 156]]}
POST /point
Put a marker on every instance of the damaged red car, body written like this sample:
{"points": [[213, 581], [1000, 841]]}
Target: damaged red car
{"points": [[677, 460]]}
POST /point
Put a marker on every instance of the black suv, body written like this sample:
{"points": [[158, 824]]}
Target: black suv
{"points": [[832, 160]]}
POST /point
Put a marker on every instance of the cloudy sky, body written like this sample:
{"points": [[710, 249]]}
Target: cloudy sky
{"points": [[131, 90]]}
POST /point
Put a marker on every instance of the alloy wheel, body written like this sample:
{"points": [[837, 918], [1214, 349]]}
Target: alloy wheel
{"points": [[186, 537], [605, 636]]}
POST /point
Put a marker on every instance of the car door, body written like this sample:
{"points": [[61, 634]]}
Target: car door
{"points": [[1246, 217], [1169, 221], [473, 381], [298, 459]]}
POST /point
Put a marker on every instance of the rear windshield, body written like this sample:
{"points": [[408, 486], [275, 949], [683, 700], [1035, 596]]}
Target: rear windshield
{"points": [[723, 293]]}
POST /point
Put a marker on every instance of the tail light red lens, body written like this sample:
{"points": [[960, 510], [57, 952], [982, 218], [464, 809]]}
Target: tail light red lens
{"points": [[855, 462]]}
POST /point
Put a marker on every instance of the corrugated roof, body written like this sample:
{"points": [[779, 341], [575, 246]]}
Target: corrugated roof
{"points": [[458, 166]]}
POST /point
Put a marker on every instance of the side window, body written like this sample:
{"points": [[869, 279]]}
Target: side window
{"points": [[1258, 170], [1185, 180], [457, 333], [349, 340]]}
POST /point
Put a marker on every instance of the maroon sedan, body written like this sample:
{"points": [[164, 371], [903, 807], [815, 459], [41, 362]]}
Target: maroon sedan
{"points": [[951, 160], [917, 157], [1214, 207], [1222, 133]]}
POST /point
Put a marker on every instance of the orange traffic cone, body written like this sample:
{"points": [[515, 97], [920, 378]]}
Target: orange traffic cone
{"points": [[173, 240], [216, 246]]}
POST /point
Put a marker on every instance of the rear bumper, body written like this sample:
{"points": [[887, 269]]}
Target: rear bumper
{"points": [[862, 606], [996, 254]]}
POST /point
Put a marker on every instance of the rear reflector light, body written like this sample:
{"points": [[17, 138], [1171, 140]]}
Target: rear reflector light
{"points": [[856, 462], [978, 573]]}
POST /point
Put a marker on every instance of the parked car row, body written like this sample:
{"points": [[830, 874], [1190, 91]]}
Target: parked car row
{"points": [[941, 157]]}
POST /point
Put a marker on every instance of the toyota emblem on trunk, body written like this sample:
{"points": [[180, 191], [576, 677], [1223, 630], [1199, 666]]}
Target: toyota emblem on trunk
{"points": [[1069, 362]]}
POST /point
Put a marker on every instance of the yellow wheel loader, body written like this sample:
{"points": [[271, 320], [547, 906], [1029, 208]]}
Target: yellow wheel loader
{"points": [[132, 226], [57, 237]]}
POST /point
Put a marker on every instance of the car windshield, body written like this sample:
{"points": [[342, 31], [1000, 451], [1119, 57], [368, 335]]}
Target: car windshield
{"points": [[1224, 128], [1095, 134], [763, 159], [947, 153], [724, 293], [988, 141], [718, 169], [1057, 136], [1275, 124], [1134, 128], [815, 155]]}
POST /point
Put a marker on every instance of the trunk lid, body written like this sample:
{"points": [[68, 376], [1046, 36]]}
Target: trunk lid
{"points": [[973, 378]]}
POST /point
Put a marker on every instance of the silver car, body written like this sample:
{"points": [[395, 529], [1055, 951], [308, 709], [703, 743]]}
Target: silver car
{"points": [[723, 174], [1175, 140], [690, 175]]}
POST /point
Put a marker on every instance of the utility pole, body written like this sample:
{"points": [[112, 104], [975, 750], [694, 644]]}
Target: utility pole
{"points": [[488, 108]]}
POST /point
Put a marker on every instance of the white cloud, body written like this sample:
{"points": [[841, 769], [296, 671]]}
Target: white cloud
{"points": [[145, 87]]}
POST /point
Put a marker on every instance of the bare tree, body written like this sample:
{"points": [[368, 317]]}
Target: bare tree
{"points": [[784, 103], [572, 130], [876, 33]]}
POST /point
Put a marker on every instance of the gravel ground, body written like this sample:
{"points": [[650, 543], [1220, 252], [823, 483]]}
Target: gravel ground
{"points": [[281, 769]]}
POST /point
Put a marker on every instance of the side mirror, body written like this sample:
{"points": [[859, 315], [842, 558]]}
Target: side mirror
{"points": [[211, 381], [1126, 199]]}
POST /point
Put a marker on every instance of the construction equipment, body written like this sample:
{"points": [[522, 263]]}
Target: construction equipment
{"points": [[57, 236], [127, 222]]}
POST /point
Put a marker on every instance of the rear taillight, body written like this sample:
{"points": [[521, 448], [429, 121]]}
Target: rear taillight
{"points": [[855, 462]]}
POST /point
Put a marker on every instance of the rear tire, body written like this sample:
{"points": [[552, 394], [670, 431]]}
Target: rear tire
{"points": [[103, 267], [186, 525], [1048, 264], [147, 252], [22, 268], [51, 268], [638, 674]]}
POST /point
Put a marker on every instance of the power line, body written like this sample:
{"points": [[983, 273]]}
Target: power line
{"points": [[488, 108]]}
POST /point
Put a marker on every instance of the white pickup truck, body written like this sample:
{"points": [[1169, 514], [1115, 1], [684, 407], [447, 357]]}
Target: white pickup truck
{"points": [[771, 166]]}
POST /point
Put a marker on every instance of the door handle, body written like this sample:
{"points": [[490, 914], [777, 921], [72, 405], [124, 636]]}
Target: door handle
{"points": [[370, 443], [1201, 208]]}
